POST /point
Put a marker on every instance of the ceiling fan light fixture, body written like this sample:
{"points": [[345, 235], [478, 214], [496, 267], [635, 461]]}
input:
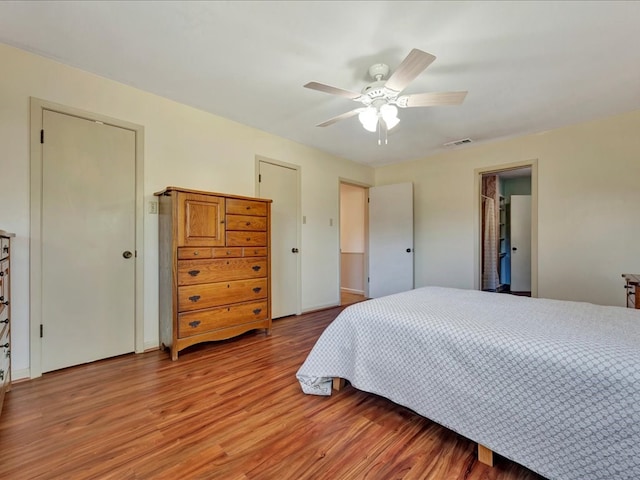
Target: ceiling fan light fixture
{"points": [[389, 114], [369, 119]]}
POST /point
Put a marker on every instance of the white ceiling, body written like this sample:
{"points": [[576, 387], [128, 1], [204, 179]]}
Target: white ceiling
{"points": [[528, 66]]}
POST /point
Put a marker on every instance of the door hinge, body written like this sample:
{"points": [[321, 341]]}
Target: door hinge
{"points": [[368, 201], [42, 136], [367, 279], [259, 178], [41, 330]]}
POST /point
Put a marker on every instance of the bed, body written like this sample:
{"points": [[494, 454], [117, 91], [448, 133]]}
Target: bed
{"points": [[553, 385]]}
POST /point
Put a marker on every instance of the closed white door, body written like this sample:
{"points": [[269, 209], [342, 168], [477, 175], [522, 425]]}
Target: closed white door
{"points": [[520, 222], [88, 226], [280, 184], [390, 239]]}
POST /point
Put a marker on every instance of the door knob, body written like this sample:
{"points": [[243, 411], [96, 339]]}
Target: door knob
{"points": [[408, 250], [294, 250], [514, 248], [127, 254]]}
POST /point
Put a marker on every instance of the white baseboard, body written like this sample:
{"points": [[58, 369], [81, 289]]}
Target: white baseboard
{"points": [[150, 346]]}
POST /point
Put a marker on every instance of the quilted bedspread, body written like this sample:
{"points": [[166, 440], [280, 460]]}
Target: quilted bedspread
{"points": [[553, 385]]}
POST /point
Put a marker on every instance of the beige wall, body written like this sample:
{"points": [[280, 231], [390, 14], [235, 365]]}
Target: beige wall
{"points": [[183, 147], [588, 191]]}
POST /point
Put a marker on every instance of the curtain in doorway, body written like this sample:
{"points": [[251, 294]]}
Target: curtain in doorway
{"points": [[490, 276]]}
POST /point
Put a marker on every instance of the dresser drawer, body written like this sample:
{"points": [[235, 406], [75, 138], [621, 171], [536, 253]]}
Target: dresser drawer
{"points": [[245, 239], [207, 295], [191, 252], [5, 361], [4, 319], [192, 272], [4, 281], [194, 323], [246, 207], [246, 223], [227, 252], [4, 247], [255, 252]]}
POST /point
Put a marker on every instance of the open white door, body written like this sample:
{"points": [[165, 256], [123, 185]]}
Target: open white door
{"points": [[520, 243], [390, 239]]}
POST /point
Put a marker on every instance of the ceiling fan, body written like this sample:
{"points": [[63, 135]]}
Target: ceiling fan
{"points": [[381, 98]]}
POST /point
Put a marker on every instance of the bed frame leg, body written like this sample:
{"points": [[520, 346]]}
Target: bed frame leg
{"points": [[339, 383], [484, 455]]}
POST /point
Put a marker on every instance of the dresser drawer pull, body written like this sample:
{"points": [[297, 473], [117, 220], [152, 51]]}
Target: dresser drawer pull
{"points": [[248, 239], [5, 249], [194, 298], [228, 252], [1, 273], [257, 311], [257, 289], [5, 303], [193, 273], [6, 345], [248, 208], [1, 375], [6, 320], [194, 324], [1, 298], [256, 268], [196, 253], [248, 224]]}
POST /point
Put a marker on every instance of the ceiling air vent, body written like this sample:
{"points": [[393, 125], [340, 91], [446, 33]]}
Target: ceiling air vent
{"points": [[457, 143]]}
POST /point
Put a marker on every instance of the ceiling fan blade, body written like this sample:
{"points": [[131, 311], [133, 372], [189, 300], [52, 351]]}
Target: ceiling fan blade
{"points": [[431, 99], [410, 68], [321, 87], [342, 116]]}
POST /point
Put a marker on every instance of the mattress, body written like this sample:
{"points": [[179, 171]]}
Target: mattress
{"points": [[552, 385]]}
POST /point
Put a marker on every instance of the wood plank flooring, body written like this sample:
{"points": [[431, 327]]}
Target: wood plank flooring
{"points": [[225, 410]]}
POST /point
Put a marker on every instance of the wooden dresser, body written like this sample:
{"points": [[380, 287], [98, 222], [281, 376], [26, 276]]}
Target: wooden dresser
{"points": [[5, 315], [215, 266], [632, 282]]}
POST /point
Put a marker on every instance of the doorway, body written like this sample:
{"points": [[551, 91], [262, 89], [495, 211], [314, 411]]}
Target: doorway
{"points": [[353, 243], [86, 243], [507, 237]]}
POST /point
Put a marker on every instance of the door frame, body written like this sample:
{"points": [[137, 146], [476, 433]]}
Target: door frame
{"points": [[365, 259], [478, 173], [297, 169], [37, 107]]}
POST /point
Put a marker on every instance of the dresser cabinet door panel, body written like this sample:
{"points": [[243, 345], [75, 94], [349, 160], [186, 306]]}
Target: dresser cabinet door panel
{"points": [[193, 272], [4, 247], [194, 252], [196, 297], [200, 220], [246, 222], [246, 207], [244, 239], [202, 321]]}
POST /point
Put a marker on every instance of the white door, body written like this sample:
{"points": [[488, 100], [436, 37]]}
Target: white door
{"points": [[390, 239], [280, 184], [88, 223], [520, 222]]}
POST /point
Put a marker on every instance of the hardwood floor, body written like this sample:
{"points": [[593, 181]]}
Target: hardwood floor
{"points": [[225, 410], [347, 298]]}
